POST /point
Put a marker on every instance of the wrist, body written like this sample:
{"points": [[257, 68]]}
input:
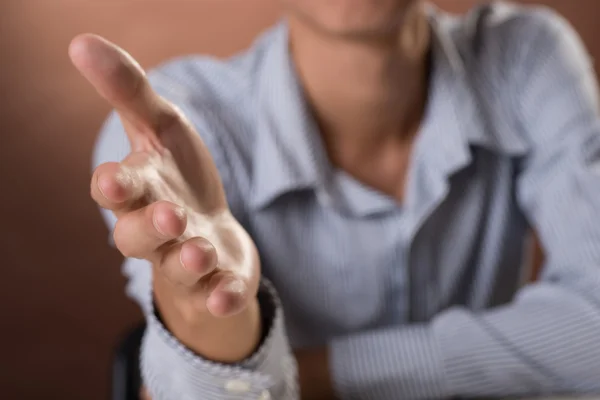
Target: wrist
{"points": [[224, 340]]}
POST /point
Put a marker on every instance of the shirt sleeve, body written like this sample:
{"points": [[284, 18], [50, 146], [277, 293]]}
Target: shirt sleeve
{"points": [[169, 369], [546, 340]]}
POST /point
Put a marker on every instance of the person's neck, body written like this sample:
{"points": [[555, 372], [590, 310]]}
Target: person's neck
{"points": [[364, 94]]}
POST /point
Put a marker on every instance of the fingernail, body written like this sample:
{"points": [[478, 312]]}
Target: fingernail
{"points": [[99, 183], [181, 259], [156, 225], [186, 248]]}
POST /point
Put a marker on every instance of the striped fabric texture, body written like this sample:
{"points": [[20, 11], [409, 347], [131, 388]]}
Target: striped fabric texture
{"points": [[424, 299]]}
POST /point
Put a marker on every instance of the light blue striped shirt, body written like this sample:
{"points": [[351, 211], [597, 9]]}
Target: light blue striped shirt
{"points": [[423, 300]]}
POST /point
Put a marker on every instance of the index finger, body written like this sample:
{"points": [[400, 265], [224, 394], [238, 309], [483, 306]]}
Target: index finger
{"points": [[119, 79]]}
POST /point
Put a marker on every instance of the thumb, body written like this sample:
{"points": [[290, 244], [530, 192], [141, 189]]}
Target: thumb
{"points": [[119, 79]]}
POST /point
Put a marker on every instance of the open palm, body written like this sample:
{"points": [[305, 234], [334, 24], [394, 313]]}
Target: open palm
{"points": [[167, 194]]}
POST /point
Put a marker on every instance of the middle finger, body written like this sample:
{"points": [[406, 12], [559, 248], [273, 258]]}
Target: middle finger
{"points": [[139, 233]]}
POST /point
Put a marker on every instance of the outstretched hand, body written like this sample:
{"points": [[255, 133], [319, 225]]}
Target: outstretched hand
{"points": [[167, 194]]}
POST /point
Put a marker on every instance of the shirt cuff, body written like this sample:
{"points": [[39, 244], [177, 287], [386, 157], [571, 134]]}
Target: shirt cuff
{"points": [[171, 371], [397, 363]]}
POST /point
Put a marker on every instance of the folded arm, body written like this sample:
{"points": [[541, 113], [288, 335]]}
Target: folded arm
{"points": [[546, 340]]}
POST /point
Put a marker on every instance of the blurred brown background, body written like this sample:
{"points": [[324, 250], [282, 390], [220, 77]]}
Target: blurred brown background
{"points": [[61, 292]]}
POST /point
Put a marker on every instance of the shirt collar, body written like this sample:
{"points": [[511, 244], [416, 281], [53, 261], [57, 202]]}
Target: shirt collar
{"points": [[450, 116], [289, 154], [472, 115]]}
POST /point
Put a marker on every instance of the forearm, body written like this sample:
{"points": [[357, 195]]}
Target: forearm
{"points": [[544, 342]]}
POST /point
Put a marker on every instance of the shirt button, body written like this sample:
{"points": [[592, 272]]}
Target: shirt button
{"points": [[265, 396], [237, 386]]}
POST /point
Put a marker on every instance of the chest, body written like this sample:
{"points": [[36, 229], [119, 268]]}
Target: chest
{"points": [[458, 245], [383, 168]]}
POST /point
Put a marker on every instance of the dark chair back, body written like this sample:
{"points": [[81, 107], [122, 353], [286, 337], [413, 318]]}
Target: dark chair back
{"points": [[126, 380]]}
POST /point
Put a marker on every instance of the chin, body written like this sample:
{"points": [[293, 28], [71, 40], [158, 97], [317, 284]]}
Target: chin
{"points": [[351, 18]]}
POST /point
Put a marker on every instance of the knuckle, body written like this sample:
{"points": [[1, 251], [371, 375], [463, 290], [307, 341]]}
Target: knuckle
{"points": [[129, 77], [125, 250], [169, 117], [173, 268], [125, 247]]}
